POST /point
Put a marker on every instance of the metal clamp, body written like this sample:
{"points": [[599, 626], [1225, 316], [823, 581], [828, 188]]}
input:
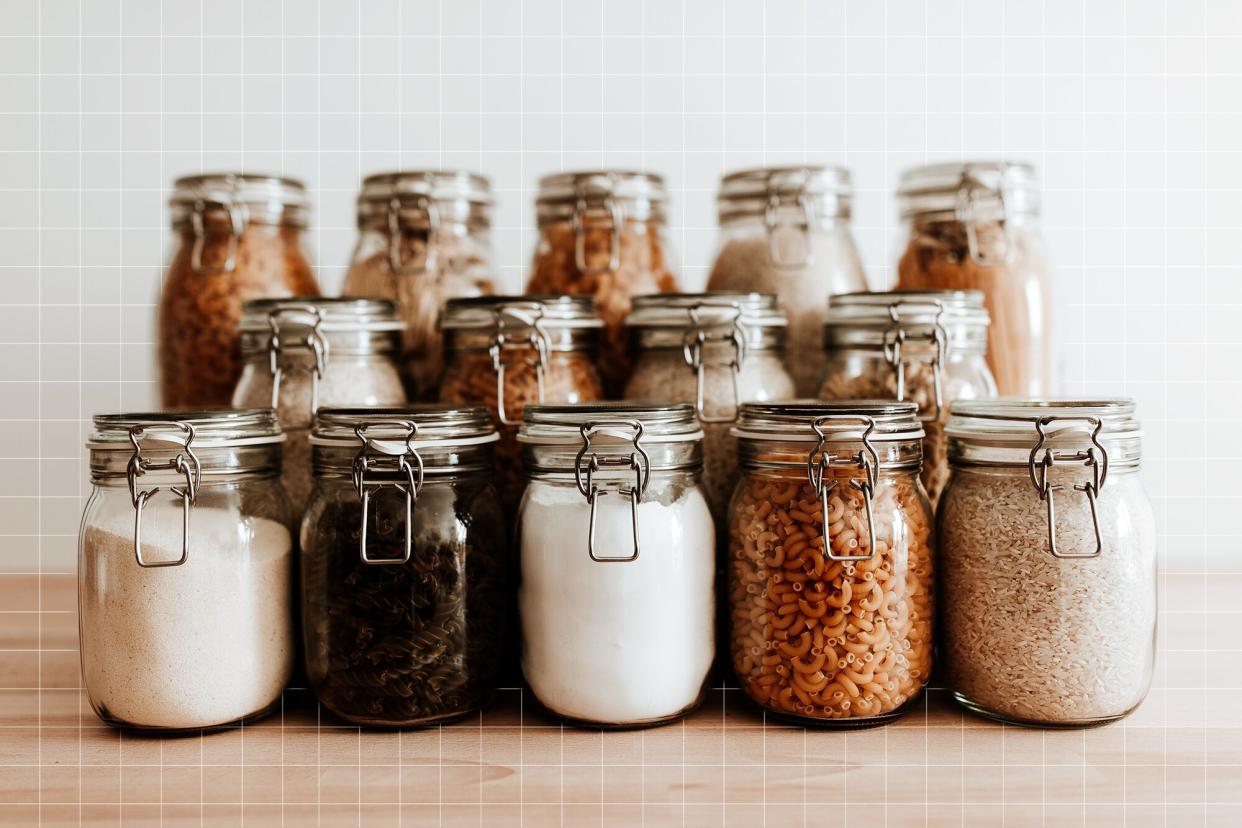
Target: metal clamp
{"points": [[395, 235], [185, 464], [614, 230], [693, 340], [971, 195], [1094, 457], [376, 457], [772, 223], [867, 459], [638, 461], [237, 225], [530, 316], [314, 341], [895, 338]]}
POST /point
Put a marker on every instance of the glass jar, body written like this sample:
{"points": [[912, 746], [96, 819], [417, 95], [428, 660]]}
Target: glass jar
{"points": [[504, 352], [1047, 561], [424, 237], [603, 234], [786, 230], [403, 564], [975, 226], [716, 350], [925, 346], [617, 551], [185, 570], [831, 626], [305, 352], [239, 237]]}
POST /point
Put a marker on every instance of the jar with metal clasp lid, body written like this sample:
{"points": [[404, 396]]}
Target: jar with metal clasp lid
{"points": [[830, 570], [404, 557], [1047, 561], [926, 346], [424, 237], [185, 570], [617, 556], [786, 230], [306, 352], [239, 237]]}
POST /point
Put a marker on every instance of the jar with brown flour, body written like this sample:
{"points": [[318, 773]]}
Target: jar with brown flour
{"points": [[185, 570]]}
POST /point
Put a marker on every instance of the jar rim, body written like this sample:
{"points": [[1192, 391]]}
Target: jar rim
{"points": [[1015, 420], [907, 308], [520, 312], [809, 179], [840, 421], [252, 189], [326, 313], [969, 190], [597, 185], [437, 184], [205, 428], [418, 424], [660, 421], [710, 308]]}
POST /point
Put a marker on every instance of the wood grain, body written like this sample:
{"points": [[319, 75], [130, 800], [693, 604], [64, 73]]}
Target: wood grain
{"points": [[1176, 761]]}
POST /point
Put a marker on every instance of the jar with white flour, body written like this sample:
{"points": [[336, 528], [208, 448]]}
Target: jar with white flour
{"points": [[185, 569], [617, 562]]}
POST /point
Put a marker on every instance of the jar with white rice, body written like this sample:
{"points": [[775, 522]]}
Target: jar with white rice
{"points": [[1048, 561]]}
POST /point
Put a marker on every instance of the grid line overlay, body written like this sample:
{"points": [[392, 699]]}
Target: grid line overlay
{"points": [[1130, 111]]}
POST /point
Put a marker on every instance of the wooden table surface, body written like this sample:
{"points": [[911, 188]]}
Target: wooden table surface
{"points": [[1176, 761]]}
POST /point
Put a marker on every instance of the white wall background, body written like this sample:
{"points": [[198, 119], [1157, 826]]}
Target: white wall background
{"points": [[1129, 109]]}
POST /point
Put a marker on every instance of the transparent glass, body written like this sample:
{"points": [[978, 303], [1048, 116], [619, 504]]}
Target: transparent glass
{"points": [[846, 643], [827, 262], [205, 644], [1031, 638], [617, 643]]}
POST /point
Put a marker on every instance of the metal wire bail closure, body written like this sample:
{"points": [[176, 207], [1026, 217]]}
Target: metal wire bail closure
{"points": [[237, 225], [695, 337], [638, 461], [970, 195], [617, 219], [772, 224], [531, 316], [314, 341], [432, 211], [867, 459], [895, 338], [379, 455], [1094, 457], [185, 463]]}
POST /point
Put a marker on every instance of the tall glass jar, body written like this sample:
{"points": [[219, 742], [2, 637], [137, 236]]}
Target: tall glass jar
{"points": [[926, 346], [239, 237], [424, 237], [617, 551], [786, 230], [1047, 561], [975, 226], [505, 352], [716, 350], [603, 234], [830, 571], [403, 564], [185, 568], [303, 353]]}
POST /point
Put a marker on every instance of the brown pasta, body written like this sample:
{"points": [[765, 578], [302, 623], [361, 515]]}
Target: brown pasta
{"points": [[823, 639]]}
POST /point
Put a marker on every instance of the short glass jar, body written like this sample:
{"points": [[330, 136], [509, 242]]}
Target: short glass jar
{"points": [[1047, 561], [403, 564], [975, 226], [617, 562], [831, 625], [603, 234], [424, 237], [239, 237], [716, 350], [303, 353], [185, 570], [925, 346], [786, 230], [504, 352]]}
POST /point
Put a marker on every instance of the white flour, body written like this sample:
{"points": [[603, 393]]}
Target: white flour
{"points": [[189, 646], [617, 643]]}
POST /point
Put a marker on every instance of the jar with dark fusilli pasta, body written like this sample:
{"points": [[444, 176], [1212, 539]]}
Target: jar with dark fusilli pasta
{"points": [[404, 562], [830, 569]]}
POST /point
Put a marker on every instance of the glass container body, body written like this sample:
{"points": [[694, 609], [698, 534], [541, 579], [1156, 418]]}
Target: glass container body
{"points": [[392, 643], [1032, 638], [204, 644]]}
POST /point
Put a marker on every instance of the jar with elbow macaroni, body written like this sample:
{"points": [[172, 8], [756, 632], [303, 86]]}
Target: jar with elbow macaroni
{"points": [[830, 561], [1047, 561], [929, 347], [617, 562]]}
